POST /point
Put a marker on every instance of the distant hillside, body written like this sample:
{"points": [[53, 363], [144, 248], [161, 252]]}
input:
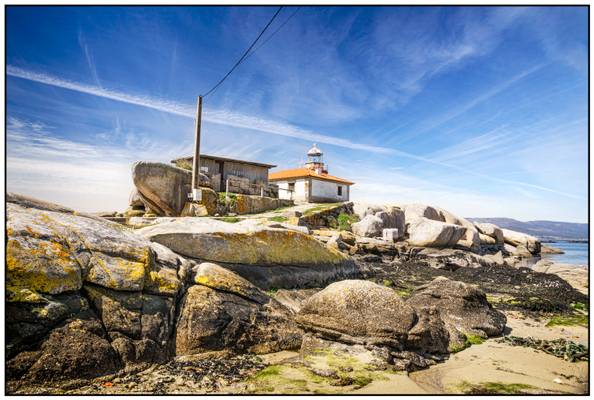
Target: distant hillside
{"points": [[545, 230]]}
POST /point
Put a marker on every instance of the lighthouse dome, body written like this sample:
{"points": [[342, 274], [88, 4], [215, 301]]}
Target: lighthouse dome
{"points": [[314, 151]]}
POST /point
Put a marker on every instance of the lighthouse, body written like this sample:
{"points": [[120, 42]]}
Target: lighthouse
{"points": [[311, 182]]}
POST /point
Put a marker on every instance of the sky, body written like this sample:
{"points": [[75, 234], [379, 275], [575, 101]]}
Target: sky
{"points": [[479, 110]]}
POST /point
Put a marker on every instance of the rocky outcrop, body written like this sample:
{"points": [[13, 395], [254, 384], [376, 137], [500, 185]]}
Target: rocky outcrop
{"points": [[325, 216], [226, 312], [369, 226], [266, 255], [374, 219], [466, 238], [491, 231], [436, 319], [358, 312], [164, 188], [425, 232], [517, 239], [463, 308], [87, 297], [246, 242]]}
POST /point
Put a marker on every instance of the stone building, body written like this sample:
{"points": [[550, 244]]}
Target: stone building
{"points": [[243, 177], [311, 183]]}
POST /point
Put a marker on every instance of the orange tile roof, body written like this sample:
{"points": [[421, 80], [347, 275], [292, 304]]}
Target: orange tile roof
{"points": [[304, 173]]}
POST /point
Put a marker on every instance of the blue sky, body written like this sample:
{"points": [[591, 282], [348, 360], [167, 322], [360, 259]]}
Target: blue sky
{"points": [[480, 110]]}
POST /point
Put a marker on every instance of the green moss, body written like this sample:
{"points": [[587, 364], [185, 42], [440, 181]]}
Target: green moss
{"points": [[362, 380], [272, 370], [346, 220], [387, 283], [568, 320], [495, 388], [579, 306], [272, 291], [403, 292], [279, 218], [232, 199], [455, 348], [474, 339], [230, 220]]}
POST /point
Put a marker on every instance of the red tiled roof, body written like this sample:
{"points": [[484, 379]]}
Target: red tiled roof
{"points": [[304, 173]]}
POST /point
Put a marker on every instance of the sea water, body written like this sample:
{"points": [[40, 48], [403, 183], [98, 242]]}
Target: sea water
{"points": [[575, 253]]}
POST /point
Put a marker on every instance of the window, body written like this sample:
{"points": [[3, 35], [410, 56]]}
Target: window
{"points": [[340, 190], [292, 186]]}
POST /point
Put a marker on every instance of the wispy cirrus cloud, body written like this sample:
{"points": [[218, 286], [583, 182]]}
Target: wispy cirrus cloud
{"points": [[215, 116], [264, 125]]}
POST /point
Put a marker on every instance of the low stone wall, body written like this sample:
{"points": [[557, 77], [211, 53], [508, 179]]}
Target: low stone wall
{"points": [[242, 185], [246, 204]]}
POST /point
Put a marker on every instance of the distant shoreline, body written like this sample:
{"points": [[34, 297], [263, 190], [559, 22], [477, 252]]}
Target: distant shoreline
{"points": [[564, 240]]}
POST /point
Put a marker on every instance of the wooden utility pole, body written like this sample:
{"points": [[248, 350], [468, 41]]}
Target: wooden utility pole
{"points": [[196, 192]]}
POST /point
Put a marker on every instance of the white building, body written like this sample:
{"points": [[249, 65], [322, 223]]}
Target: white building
{"points": [[311, 183]]}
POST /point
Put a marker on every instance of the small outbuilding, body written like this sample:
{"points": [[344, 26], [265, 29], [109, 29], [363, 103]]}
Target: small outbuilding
{"points": [[247, 177], [311, 183]]}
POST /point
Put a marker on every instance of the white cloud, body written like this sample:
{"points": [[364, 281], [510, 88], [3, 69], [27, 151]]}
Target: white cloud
{"points": [[246, 122]]}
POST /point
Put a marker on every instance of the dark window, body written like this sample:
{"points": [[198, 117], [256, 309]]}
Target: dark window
{"points": [[340, 190], [291, 185]]}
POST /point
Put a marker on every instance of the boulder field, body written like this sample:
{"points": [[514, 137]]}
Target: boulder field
{"points": [[88, 298]]}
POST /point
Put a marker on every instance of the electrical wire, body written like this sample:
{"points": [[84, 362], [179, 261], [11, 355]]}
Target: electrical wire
{"points": [[274, 33], [245, 54]]}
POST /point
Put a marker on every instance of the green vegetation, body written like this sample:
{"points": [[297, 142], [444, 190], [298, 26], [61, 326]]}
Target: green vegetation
{"points": [[474, 339], [272, 291], [346, 220], [232, 199], [579, 306], [568, 320], [278, 218], [404, 291], [319, 208], [272, 370], [495, 388], [230, 220], [387, 283], [454, 348]]}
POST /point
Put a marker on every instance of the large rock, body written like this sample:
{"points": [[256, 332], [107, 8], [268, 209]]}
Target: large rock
{"points": [[164, 187], [246, 242], [53, 252], [490, 230], [268, 256], [358, 312], [139, 324], [521, 239], [416, 211], [463, 308], [369, 226], [225, 312], [56, 261], [79, 349], [425, 232], [470, 240], [374, 219]]}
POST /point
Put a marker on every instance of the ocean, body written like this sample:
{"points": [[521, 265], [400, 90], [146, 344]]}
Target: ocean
{"points": [[575, 253]]}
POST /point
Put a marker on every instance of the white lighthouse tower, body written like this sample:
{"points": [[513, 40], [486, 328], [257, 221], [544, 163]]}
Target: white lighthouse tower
{"points": [[315, 161]]}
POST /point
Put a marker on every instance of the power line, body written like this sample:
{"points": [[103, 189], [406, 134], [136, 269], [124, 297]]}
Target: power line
{"points": [[274, 33], [243, 57]]}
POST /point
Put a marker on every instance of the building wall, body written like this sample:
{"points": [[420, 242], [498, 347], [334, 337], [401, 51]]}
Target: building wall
{"points": [[254, 173], [300, 193], [326, 191]]}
